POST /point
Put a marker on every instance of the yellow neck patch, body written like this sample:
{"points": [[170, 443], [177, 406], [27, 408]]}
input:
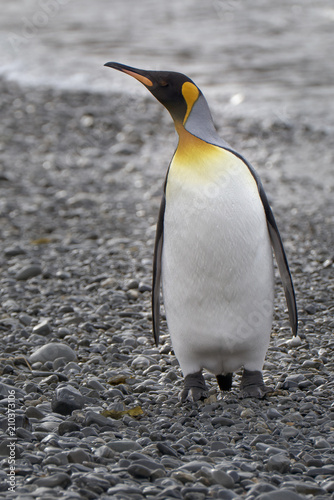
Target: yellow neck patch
{"points": [[190, 93]]}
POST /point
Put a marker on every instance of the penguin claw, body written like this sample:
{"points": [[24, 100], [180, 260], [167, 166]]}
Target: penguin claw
{"points": [[194, 388], [252, 385], [192, 394], [254, 391]]}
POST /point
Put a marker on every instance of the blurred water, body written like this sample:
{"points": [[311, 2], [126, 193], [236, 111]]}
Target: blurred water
{"points": [[261, 56]]}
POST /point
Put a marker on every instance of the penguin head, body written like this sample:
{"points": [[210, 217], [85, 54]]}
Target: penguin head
{"points": [[176, 92]]}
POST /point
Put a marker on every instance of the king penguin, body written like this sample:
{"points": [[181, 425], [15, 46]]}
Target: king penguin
{"points": [[213, 249]]}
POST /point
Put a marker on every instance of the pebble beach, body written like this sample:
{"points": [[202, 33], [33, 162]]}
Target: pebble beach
{"points": [[89, 405]]}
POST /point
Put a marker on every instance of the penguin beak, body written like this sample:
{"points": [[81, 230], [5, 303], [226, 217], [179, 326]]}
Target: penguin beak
{"points": [[139, 74]]}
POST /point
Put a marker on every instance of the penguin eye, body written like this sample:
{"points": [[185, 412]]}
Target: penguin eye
{"points": [[163, 83]]}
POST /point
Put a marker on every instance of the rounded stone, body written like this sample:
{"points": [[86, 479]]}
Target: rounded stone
{"points": [[96, 418], [222, 421], [52, 351], [295, 342], [104, 452], [141, 362], [140, 471], [67, 399], [280, 495], [59, 479], [78, 456], [124, 445], [221, 477], [194, 465], [28, 272], [273, 413], [321, 443], [68, 426], [165, 449], [289, 432], [278, 463], [43, 328], [328, 486], [33, 412]]}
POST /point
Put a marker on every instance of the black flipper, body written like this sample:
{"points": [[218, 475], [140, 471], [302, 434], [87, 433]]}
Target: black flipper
{"points": [[157, 271], [282, 261]]}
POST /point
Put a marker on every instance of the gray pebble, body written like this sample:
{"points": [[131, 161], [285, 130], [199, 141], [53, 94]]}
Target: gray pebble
{"points": [[25, 319], [56, 459], [11, 306], [321, 444], [104, 452], [24, 434], [289, 432], [59, 363], [141, 362], [51, 352], [310, 309], [165, 449], [273, 413], [33, 412], [146, 462], [28, 272], [124, 445], [95, 418], [193, 495], [304, 487], [295, 342], [5, 447], [43, 328], [71, 368], [132, 284], [222, 421], [6, 390], [68, 426], [272, 450], [224, 494], [78, 455], [59, 479], [95, 384], [144, 288], [221, 477], [321, 471], [140, 471], [121, 490], [328, 486], [194, 466], [280, 495], [259, 488], [278, 463], [67, 399], [93, 482], [13, 251]]}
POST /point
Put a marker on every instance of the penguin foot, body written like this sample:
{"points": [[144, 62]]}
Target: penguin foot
{"points": [[225, 381], [252, 385], [194, 388]]}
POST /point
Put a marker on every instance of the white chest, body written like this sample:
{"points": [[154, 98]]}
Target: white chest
{"points": [[217, 262]]}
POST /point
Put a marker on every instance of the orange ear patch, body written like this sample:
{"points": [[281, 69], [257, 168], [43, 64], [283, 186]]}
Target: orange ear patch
{"points": [[190, 93]]}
